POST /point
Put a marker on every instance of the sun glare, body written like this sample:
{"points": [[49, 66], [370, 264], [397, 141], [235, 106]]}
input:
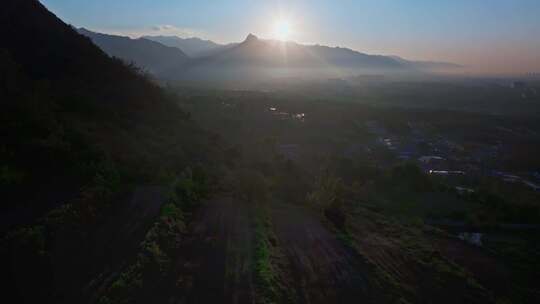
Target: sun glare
{"points": [[282, 30]]}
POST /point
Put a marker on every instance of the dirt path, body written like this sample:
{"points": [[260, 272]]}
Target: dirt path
{"points": [[221, 255], [325, 271], [218, 264], [487, 269]]}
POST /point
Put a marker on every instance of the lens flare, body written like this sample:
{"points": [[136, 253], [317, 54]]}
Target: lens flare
{"points": [[282, 30]]}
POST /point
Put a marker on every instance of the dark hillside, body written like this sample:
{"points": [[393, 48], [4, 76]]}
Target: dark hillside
{"points": [[68, 110], [89, 146]]}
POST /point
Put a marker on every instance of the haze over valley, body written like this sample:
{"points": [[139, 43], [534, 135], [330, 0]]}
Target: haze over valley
{"points": [[254, 59]]}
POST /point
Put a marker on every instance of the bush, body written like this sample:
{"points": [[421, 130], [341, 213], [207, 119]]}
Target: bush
{"points": [[171, 210], [328, 197], [189, 188]]}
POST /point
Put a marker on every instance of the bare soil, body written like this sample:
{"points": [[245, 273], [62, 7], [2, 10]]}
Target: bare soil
{"points": [[219, 263], [324, 269]]}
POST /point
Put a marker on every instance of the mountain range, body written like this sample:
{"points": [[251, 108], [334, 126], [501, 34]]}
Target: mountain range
{"points": [[254, 59], [193, 47], [149, 55]]}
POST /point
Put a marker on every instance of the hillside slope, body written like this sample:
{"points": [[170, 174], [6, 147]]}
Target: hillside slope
{"points": [[149, 55], [69, 109], [89, 149]]}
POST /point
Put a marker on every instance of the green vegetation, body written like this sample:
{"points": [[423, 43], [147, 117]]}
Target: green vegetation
{"points": [[158, 249], [328, 197], [265, 274], [190, 187]]}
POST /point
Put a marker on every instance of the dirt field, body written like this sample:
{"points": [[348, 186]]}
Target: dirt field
{"points": [[218, 266], [220, 256], [324, 270], [489, 271]]}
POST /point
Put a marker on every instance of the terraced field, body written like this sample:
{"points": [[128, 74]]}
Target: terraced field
{"points": [[219, 264]]}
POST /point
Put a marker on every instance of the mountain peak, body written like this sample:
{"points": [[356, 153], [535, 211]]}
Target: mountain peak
{"points": [[251, 37], [82, 30]]}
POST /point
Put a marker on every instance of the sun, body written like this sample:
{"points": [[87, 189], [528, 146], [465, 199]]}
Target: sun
{"points": [[282, 30]]}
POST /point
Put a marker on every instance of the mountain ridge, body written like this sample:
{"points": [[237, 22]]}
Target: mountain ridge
{"points": [[255, 59], [149, 55], [193, 46], [217, 47]]}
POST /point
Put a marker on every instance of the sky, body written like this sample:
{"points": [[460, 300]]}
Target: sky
{"points": [[487, 36]]}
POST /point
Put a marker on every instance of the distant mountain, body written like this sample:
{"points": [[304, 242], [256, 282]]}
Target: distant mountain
{"points": [[193, 47], [274, 54], [433, 66], [149, 55], [256, 59], [253, 59]]}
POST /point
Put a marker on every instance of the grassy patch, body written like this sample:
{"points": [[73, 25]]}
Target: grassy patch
{"points": [[265, 275], [153, 262]]}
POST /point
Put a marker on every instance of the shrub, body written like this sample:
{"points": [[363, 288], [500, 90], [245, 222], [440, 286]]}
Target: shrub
{"points": [[189, 188], [171, 210], [328, 197]]}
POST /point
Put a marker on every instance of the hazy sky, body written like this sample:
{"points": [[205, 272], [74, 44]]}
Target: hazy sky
{"points": [[499, 36]]}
